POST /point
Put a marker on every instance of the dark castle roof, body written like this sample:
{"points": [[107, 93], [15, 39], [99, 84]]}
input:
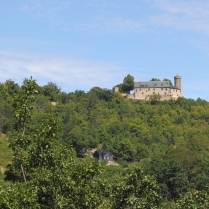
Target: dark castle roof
{"points": [[153, 84]]}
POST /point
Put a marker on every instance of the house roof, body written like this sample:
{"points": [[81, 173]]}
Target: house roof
{"points": [[153, 84], [103, 151]]}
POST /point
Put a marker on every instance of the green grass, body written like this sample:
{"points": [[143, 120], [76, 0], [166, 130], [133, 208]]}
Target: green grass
{"points": [[5, 154]]}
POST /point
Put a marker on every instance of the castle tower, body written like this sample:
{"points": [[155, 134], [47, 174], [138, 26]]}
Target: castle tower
{"points": [[177, 81], [115, 89]]}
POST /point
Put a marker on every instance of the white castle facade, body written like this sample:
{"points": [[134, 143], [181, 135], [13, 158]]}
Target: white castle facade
{"points": [[144, 90]]}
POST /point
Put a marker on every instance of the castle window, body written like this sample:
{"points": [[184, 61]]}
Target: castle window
{"points": [[161, 89], [165, 93], [148, 89], [153, 92], [166, 89], [140, 89], [153, 89]]}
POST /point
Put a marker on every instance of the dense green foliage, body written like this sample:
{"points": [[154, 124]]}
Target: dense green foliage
{"points": [[5, 155], [168, 140], [165, 79], [127, 85]]}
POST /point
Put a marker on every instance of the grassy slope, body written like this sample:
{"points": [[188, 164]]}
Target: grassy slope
{"points": [[5, 154]]}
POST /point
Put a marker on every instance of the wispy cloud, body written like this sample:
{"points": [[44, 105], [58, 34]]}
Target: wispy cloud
{"points": [[72, 74], [109, 17], [112, 25], [202, 44], [68, 73], [184, 15], [47, 10], [98, 17]]}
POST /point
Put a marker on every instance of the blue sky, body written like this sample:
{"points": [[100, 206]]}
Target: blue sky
{"points": [[80, 44]]}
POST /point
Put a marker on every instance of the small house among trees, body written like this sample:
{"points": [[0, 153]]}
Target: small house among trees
{"points": [[103, 154]]}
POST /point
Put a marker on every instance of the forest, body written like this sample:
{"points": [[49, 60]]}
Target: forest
{"points": [[162, 149]]}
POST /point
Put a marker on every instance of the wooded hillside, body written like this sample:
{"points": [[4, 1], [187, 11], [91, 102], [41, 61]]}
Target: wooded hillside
{"points": [[168, 140]]}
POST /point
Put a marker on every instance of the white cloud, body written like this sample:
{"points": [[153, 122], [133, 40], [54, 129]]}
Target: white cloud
{"points": [[177, 14], [71, 74], [111, 25], [68, 73], [185, 15], [109, 17], [98, 17], [45, 7], [47, 10]]}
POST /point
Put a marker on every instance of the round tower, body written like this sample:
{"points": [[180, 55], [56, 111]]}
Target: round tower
{"points": [[177, 81]]}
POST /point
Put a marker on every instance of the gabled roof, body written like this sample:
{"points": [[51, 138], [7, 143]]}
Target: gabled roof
{"points": [[153, 84], [103, 151]]}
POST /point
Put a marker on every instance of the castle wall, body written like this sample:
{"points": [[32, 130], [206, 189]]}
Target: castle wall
{"points": [[130, 96], [144, 92], [165, 93], [175, 93]]}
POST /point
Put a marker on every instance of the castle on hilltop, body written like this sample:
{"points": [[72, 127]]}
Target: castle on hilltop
{"points": [[144, 90]]}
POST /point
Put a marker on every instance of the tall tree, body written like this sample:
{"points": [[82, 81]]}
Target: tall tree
{"points": [[128, 84], [51, 90], [23, 104]]}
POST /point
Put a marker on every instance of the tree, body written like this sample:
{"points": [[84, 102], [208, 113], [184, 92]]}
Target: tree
{"points": [[135, 190], [128, 84], [125, 150], [44, 172], [154, 99], [166, 79], [194, 199], [155, 79], [173, 171], [102, 94], [23, 104], [51, 90], [11, 87]]}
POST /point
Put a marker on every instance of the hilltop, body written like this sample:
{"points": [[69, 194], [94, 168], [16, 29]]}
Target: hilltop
{"points": [[167, 139]]}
